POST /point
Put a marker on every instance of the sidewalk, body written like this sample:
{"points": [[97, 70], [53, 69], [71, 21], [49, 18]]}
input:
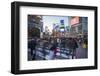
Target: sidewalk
{"points": [[81, 53]]}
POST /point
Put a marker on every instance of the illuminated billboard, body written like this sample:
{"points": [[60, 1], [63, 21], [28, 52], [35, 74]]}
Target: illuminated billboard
{"points": [[74, 20]]}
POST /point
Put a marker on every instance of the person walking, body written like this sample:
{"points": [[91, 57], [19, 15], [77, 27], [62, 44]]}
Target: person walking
{"points": [[54, 48], [74, 46], [44, 48], [32, 46]]}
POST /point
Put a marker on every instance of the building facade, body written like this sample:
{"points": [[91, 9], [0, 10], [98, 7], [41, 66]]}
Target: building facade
{"points": [[35, 25], [79, 26]]}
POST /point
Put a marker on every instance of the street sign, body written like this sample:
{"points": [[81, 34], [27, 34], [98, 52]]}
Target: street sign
{"points": [[62, 22]]}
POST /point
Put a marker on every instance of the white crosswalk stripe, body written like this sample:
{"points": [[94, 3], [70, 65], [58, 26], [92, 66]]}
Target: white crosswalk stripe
{"points": [[47, 55]]}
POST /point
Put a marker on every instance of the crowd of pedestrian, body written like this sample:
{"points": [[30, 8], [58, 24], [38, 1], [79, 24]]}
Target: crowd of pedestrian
{"points": [[52, 43]]}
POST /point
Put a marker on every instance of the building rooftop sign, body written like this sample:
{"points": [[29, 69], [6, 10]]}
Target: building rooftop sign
{"points": [[74, 21]]}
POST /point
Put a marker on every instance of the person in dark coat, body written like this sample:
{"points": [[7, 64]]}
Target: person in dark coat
{"points": [[44, 48], [69, 43], [74, 46], [32, 45]]}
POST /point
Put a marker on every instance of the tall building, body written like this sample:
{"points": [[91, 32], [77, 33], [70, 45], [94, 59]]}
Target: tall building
{"points": [[35, 25], [56, 30], [67, 28], [79, 26]]}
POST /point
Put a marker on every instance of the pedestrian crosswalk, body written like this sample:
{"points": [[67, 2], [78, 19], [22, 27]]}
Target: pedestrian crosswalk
{"points": [[46, 54]]}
